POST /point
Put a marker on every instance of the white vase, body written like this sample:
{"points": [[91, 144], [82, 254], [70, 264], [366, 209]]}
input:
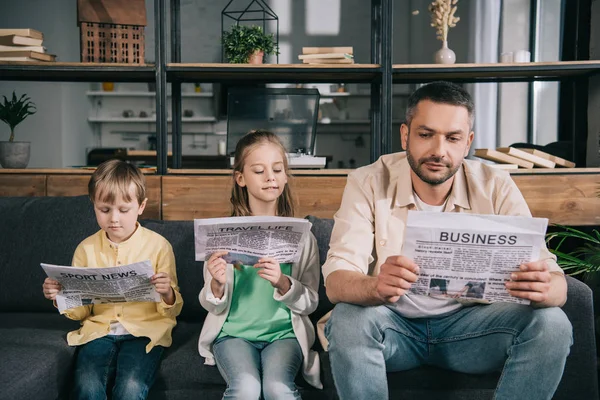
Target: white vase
{"points": [[445, 55]]}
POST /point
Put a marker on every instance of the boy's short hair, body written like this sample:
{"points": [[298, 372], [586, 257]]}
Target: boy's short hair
{"points": [[113, 178]]}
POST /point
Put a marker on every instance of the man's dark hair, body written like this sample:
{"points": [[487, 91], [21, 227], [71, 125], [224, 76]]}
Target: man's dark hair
{"points": [[440, 92]]}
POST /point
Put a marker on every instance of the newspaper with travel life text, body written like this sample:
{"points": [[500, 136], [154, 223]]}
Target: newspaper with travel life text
{"points": [[247, 239], [470, 256], [82, 286]]}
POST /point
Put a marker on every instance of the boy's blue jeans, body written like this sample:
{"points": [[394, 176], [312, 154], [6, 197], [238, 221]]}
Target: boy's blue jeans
{"points": [[242, 362], [123, 357], [528, 345]]}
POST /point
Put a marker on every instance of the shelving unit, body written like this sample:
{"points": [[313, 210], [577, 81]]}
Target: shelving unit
{"points": [[98, 93], [381, 74], [146, 120]]}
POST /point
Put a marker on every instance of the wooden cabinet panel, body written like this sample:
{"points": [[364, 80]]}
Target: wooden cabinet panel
{"points": [[190, 197], [318, 195], [563, 199], [22, 185], [74, 185]]}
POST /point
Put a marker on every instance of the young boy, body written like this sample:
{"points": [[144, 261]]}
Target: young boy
{"points": [[123, 341]]}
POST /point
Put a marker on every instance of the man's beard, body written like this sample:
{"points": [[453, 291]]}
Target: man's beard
{"points": [[417, 168]]}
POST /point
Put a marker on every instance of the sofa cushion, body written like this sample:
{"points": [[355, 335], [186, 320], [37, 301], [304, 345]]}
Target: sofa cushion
{"points": [[36, 358], [189, 272], [36, 230], [321, 228]]}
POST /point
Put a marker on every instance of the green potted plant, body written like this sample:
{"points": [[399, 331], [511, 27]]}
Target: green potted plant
{"points": [[248, 44], [13, 111], [583, 261]]}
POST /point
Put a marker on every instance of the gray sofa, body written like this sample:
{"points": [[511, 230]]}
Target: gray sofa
{"points": [[36, 362]]}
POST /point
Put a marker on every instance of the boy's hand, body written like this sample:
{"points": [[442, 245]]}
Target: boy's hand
{"points": [[162, 284], [270, 270], [51, 288], [216, 267]]}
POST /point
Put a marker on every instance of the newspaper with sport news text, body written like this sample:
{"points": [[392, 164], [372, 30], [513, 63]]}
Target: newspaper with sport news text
{"points": [[82, 286], [247, 239], [470, 256]]}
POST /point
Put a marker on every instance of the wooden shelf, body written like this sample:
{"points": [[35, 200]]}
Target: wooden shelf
{"points": [[76, 72], [149, 120], [99, 93], [273, 73], [515, 72]]}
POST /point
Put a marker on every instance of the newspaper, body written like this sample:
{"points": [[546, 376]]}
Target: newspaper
{"points": [[470, 256], [83, 286], [247, 239]]}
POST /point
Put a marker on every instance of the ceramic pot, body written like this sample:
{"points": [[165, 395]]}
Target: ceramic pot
{"points": [[445, 55], [14, 154], [256, 57]]}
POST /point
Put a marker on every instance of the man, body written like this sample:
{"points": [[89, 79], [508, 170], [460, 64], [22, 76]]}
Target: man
{"points": [[378, 326]]}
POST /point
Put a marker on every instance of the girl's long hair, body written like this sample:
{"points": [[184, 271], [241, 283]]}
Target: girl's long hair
{"points": [[240, 205]]}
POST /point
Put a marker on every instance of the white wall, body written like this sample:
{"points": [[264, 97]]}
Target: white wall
{"points": [[58, 131]]}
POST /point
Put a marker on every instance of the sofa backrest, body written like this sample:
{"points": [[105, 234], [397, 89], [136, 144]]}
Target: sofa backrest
{"points": [[189, 272], [321, 228], [36, 230], [48, 229]]}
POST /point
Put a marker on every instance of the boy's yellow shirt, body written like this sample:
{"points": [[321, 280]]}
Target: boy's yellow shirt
{"points": [[142, 319]]}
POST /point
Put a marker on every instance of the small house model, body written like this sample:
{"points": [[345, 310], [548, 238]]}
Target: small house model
{"points": [[112, 31]]}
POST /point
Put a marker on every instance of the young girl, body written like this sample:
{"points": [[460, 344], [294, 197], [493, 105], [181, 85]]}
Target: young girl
{"points": [[257, 329]]}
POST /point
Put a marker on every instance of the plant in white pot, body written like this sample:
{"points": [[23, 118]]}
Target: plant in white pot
{"points": [[13, 111]]}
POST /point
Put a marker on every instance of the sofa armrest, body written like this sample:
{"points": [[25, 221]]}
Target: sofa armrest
{"points": [[580, 379]]}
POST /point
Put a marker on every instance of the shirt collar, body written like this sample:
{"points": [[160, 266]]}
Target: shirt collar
{"points": [[403, 193], [132, 240]]}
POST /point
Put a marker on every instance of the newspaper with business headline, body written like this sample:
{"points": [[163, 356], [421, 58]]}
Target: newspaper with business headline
{"points": [[247, 239], [84, 286], [470, 256]]}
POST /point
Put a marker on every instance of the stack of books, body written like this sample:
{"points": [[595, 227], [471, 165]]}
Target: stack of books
{"points": [[327, 55], [511, 157], [23, 45]]}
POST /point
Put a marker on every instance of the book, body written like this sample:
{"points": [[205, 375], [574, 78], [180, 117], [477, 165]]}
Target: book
{"points": [[29, 54], [493, 155], [39, 49], [504, 166], [32, 33], [325, 55], [324, 50], [329, 61], [561, 162], [537, 161], [10, 40]]}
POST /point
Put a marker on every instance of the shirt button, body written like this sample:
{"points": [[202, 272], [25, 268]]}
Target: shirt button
{"points": [[119, 315], [382, 242], [118, 262]]}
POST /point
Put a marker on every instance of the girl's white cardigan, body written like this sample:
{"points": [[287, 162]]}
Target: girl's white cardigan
{"points": [[301, 299]]}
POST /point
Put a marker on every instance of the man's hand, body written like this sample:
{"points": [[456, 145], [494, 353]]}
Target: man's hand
{"points": [[395, 278], [531, 282]]}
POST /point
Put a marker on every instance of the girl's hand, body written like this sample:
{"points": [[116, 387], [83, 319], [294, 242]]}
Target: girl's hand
{"points": [[270, 270], [216, 266], [162, 284], [51, 288]]}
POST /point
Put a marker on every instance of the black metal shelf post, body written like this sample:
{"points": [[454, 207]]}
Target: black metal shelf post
{"points": [[160, 37], [176, 124]]}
